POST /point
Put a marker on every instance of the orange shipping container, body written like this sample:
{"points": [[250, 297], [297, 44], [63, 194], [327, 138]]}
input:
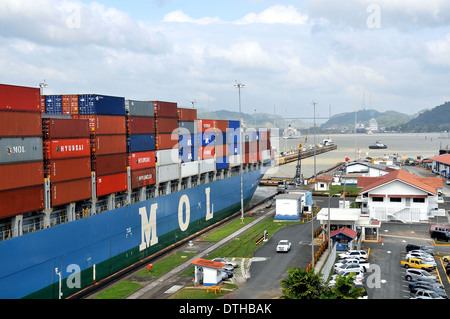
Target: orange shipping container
{"points": [[110, 184], [109, 144], [23, 200], [166, 141], [21, 175], [70, 104], [143, 177], [187, 115], [67, 148], [70, 191], [141, 160]]}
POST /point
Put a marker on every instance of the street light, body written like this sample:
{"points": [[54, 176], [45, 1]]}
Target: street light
{"points": [[239, 86]]}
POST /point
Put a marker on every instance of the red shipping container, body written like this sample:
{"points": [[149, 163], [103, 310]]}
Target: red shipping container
{"points": [[166, 125], [20, 124], [21, 175], [143, 177], [68, 169], [206, 152], [23, 200], [165, 109], [67, 148], [141, 160], [250, 147], [109, 184], [222, 125], [109, 144], [70, 191], [141, 125], [65, 128], [20, 98], [110, 164], [203, 125], [106, 124], [70, 104], [187, 115], [222, 150], [166, 141]]}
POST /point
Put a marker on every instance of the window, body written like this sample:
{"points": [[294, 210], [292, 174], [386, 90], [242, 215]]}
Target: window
{"points": [[377, 199], [395, 199], [418, 200]]}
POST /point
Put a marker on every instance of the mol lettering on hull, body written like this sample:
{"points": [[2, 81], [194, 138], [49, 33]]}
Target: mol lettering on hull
{"points": [[149, 234]]}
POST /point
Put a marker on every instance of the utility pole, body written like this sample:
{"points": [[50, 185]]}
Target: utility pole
{"points": [[239, 86]]}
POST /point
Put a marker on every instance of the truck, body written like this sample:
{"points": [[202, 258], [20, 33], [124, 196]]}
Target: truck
{"points": [[416, 263]]}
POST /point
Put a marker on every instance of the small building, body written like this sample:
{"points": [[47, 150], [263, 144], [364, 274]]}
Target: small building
{"points": [[291, 206], [343, 237], [323, 183], [207, 271], [441, 165]]}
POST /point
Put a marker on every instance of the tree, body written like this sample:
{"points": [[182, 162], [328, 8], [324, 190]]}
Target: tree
{"points": [[302, 284], [344, 289]]}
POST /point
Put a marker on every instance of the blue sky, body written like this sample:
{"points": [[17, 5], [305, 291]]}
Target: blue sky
{"points": [[287, 53]]}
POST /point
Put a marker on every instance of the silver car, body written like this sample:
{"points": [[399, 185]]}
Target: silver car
{"points": [[425, 294], [412, 274]]}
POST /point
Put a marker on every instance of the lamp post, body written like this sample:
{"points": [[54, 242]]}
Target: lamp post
{"points": [[239, 86], [312, 212]]}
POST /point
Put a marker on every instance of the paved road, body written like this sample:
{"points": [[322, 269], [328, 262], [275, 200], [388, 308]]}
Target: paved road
{"points": [[266, 274]]}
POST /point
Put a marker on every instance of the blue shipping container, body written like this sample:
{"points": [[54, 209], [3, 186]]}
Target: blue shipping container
{"points": [[234, 124], [207, 138], [234, 149], [53, 104], [222, 162], [187, 140], [188, 154], [93, 104], [141, 143], [233, 136]]}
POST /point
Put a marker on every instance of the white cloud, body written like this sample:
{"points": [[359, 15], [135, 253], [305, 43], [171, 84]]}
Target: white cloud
{"points": [[180, 17], [276, 14], [439, 51]]}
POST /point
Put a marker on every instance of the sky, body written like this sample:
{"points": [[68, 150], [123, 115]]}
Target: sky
{"points": [[342, 55]]}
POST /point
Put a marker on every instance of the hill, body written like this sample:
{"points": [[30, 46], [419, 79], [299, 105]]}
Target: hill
{"points": [[385, 119], [434, 120]]}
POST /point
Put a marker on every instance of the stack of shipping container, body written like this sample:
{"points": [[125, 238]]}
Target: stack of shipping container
{"points": [[67, 137], [188, 141], [166, 141], [141, 143], [234, 143], [21, 157], [67, 159], [107, 118]]}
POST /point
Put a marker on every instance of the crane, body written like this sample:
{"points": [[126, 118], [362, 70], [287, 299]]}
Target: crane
{"points": [[298, 170]]}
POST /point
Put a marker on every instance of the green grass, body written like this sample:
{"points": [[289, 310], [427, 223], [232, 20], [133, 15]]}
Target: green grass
{"points": [[119, 291], [166, 264], [228, 229], [201, 293]]}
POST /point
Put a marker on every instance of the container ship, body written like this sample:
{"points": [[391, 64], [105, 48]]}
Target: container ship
{"points": [[90, 184]]}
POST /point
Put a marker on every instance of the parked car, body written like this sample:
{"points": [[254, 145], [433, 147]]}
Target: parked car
{"points": [[447, 182], [410, 247], [440, 235], [345, 272], [427, 259], [226, 261], [441, 292], [349, 266], [425, 284], [357, 281], [283, 245], [354, 253], [412, 274], [446, 258], [359, 261], [425, 294]]}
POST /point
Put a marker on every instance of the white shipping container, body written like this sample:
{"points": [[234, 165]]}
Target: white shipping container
{"points": [[289, 205], [167, 157], [235, 160], [207, 165], [166, 173], [189, 169], [265, 156]]}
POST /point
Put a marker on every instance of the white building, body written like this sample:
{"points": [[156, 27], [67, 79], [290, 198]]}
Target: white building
{"points": [[441, 165], [400, 196]]}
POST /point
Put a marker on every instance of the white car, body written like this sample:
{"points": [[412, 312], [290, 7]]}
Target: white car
{"points": [[350, 267], [226, 261], [283, 246], [332, 282], [356, 261], [354, 253], [426, 259]]}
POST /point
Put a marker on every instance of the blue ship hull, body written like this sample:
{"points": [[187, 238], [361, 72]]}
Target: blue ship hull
{"points": [[103, 244]]}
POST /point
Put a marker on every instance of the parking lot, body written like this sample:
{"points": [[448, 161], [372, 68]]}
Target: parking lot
{"points": [[386, 277]]}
